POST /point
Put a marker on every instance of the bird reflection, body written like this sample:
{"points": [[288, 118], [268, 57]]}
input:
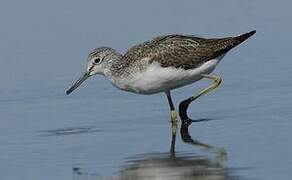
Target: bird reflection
{"points": [[174, 165]]}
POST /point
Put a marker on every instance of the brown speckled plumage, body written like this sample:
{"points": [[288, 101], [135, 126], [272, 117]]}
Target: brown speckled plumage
{"points": [[187, 52], [144, 68]]}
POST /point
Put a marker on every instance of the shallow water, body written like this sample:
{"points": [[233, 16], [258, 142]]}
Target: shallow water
{"points": [[100, 132]]}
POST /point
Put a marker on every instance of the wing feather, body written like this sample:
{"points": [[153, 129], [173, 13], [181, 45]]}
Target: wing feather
{"points": [[180, 51]]}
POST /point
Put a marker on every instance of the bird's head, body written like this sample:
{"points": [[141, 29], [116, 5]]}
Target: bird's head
{"points": [[98, 62]]}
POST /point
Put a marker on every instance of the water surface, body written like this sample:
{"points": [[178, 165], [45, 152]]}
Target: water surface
{"points": [[101, 132]]}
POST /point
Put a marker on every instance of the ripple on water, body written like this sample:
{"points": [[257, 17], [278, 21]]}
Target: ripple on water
{"points": [[69, 131]]}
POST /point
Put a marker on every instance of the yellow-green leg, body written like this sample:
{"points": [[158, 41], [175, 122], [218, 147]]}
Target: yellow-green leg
{"points": [[173, 113], [183, 106]]}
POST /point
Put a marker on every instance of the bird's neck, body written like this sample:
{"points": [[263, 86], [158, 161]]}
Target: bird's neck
{"points": [[115, 69], [120, 73], [118, 78]]}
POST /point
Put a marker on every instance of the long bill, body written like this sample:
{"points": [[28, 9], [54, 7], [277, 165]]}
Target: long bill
{"points": [[78, 82]]}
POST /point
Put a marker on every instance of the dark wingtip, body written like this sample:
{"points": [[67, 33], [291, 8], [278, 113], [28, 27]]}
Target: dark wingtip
{"points": [[249, 34], [253, 32], [245, 36], [233, 42]]}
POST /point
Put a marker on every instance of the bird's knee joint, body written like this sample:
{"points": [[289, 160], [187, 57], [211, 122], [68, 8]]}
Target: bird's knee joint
{"points": [[173, 115], [218, 80]]}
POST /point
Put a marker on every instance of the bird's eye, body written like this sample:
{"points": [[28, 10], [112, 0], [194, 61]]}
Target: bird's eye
{"points": [[97, 60]]}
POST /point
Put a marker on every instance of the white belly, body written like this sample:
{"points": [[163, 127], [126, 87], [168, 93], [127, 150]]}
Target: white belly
{"points": [[160, 79]]}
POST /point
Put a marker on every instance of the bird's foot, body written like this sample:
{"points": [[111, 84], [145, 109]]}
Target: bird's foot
{"points": [[222, 154], [173, 116]]}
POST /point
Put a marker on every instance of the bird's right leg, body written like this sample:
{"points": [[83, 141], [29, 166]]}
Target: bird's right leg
{"points": [[183, 106]]}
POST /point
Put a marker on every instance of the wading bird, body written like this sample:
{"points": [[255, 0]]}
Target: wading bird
{"points": [[161, 65]]}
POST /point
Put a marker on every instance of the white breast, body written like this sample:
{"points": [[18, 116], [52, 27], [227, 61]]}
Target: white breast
{"points": [[159, 79]]}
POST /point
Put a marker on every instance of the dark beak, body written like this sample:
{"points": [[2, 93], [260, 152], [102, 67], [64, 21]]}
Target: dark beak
{"points": [[78, 82]]}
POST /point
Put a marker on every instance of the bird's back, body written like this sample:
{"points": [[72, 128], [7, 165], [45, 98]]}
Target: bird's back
{"points": [[171, 61], [181, 51]]}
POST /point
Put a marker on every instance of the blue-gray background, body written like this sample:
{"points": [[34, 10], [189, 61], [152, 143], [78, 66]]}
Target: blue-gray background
{"points": [[43, 48]]}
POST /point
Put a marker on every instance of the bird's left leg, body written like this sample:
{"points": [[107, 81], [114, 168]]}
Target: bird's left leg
{"points": [[183, 106], [171, 106]]}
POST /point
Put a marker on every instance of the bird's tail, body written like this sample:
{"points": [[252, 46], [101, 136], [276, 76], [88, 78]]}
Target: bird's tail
{"points": [[225, 44], [243, 37]]}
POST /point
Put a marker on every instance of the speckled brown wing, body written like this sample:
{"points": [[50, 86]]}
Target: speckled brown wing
{"points": [[187, 52], [179, 51]]}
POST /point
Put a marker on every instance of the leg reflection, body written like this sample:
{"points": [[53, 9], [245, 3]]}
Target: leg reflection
{"points": [[169, 165], [186, 137], [173, 138]]}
